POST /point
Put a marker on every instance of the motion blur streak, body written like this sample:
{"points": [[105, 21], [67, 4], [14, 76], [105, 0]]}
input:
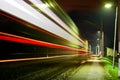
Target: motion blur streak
{"points": [[47, 11], [30, 25], [28, 59], [37, 28], [23, 11], [14, 38]]}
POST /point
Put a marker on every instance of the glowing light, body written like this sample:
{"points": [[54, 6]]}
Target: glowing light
{"points": [[108, 5]]}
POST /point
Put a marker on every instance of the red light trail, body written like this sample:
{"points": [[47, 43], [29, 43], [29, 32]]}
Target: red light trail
{"points": [[19, 39]]}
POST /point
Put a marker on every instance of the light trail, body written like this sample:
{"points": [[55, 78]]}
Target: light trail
{"points": [[19, 39], [30, 59], [20, 9], [40, 5], [35, 27]]}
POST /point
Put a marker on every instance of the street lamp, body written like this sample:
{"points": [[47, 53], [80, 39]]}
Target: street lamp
{"points": [[109, 5]]}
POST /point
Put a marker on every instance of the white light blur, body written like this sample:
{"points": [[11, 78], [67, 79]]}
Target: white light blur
{"points": [[108, 5], [47, 11], [22, 10]]}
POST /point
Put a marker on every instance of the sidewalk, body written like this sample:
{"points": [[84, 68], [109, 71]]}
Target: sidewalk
{"points": [[91, 70]]}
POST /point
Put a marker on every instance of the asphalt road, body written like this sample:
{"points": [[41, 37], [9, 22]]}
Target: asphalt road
{"points": [[72, 67]]}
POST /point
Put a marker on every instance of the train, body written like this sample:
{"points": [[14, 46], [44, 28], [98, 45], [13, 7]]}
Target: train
{"points": [[37, 28]]}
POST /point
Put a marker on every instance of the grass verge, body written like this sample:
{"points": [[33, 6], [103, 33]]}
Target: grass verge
{"points": [[108, 66]]}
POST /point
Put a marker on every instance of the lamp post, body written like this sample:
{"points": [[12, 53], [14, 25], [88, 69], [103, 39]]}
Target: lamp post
{"points": [[108, 5], [115, 30]]}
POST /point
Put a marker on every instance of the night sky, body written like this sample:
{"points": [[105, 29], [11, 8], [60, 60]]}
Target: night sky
{"points": [[88, 16]]}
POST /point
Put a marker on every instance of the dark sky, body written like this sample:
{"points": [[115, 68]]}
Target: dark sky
{"points": [[88, 15]]}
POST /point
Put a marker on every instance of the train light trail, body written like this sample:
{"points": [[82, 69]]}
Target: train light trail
{"points": [[43, 7], [37, 30], [19, 39], [23, 11], [35, 58]]}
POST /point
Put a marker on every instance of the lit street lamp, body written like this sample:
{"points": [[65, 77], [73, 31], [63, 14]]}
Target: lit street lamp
{"points": [[108, 5], [101, 39]]}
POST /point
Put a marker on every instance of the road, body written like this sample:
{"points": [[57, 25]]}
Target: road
{"points": [[60, 68]]}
